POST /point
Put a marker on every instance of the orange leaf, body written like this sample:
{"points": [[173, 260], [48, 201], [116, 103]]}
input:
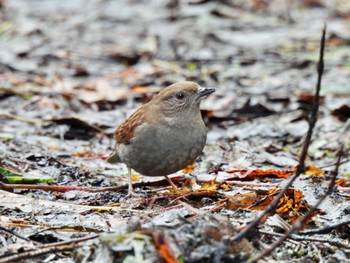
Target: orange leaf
{"points": [[86, 152], [312, 170], [342, 182], [255, 174], [162, 245], [209, 187], [189, 168], [135, 177], [289, 207]]}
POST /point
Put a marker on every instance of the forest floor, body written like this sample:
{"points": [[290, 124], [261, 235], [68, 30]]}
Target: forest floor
{"points": [[72, 71]]}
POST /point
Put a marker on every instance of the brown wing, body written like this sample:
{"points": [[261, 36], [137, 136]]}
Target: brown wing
{"points": [[126, 130]]}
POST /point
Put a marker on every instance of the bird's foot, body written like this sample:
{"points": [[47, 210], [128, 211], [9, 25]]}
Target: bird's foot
{"points": [[171, 183], [132, 194]]}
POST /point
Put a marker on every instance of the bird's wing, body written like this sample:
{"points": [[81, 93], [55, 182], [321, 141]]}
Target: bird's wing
{"points": [[126, 131]]}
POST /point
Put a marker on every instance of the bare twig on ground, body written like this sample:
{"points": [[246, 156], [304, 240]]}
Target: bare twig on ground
{"points": [[31, 254], [307, 141], [326, 229], [45, 249], [19, 118], [60, 188], [65, 188], [13, 233], [300, 223], [344, 189], [307, 239]]}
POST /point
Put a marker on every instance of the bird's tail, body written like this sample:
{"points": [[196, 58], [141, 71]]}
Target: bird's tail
{"points": [[113, 158]]}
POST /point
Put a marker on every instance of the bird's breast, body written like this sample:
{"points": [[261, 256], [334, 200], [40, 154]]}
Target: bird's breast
{"points": [[158, 150]]}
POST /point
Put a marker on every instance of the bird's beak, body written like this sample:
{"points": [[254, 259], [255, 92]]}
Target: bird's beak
{"points": [[203, 92]]}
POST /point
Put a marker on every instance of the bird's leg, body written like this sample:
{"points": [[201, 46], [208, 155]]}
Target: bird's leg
{"points": [[131, 192], [171, 183]]}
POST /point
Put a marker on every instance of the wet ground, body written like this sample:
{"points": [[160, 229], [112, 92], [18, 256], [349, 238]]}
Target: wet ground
{"points": [[71, 71]]}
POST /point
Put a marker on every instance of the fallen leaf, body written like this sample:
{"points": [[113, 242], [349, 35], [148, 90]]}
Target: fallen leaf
{"points": [[162, 244], [312, 170]]}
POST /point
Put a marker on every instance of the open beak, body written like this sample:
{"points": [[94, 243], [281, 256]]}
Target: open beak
{"points": [[203, 92]]}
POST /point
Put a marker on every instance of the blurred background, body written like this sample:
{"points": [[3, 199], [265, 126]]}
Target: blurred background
{"points": [[71, 71], [79, 68]]}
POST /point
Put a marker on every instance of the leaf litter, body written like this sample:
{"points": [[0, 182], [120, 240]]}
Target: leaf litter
{"points": [[73, 71]]}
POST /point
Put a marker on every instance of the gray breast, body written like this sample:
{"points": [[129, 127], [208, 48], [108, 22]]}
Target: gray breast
{"points": [[160, 152]]}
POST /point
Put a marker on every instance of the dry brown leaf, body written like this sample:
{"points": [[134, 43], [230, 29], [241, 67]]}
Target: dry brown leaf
{"points": [[255, 174], [189, 168], [312, 170], [162, 244], [342, 182], [291, 205]]}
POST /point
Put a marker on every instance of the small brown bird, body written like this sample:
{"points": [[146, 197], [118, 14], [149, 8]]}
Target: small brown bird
{"points": [[164, 135]]}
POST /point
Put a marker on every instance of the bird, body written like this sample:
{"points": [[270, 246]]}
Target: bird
{"points": [[164, 135]]}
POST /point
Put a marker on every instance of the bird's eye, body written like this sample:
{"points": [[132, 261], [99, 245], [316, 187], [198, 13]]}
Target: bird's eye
{"points": [[180, 95]]}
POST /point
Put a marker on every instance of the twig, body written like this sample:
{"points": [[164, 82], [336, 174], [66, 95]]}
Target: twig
{"points": [[45, 249], [66, 188], [302, 158], [13, 233], [343, 189], [19, 118], [72, 241], [326, 229], [161, 210], [25, 255], [300, 223], [307, 239], [60, 188], [252, 184], [332, 164]]}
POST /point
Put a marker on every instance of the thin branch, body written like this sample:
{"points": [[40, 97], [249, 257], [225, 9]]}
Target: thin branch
{"points": [[66, 188], [300, 223], [307, 239], [45, 249], [300, 169], [31, 254], [326, 229], [13, 233], [60, 188], [68, 242]]}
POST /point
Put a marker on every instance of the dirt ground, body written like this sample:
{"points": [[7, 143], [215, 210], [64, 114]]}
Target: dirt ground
{"points": [[72, 71]]}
